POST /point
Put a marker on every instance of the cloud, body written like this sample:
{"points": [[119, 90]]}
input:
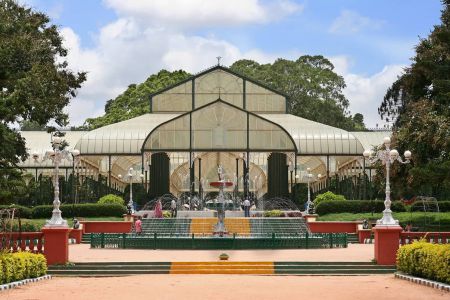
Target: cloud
{"points": [[196, 13], [350, 22], [365, 93], [128, 53]]}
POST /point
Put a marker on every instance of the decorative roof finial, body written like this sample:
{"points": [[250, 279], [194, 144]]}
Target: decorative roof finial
{"points": [[218, 60]]}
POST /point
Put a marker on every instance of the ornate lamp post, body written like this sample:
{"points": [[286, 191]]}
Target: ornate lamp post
{"points": [[130, 176], [56, 155], [387, 157]]}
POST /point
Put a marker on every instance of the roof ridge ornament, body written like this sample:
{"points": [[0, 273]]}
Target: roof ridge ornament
{"points": [[218, 60]]}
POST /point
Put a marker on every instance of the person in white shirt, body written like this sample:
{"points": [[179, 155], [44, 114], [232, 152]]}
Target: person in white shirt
{"points": [[173, 208], [247, 208]]}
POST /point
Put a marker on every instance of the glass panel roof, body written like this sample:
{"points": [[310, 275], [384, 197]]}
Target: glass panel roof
{"points": [[219, 126], [218, 82]]}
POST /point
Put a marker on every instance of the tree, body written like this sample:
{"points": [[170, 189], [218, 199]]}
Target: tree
{"points": [[419, 105], [313, 88], [134, 101], [35, 82]]}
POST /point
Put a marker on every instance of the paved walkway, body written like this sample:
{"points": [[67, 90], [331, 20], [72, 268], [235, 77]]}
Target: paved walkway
{"points": [[354, 252], [219, 287]]}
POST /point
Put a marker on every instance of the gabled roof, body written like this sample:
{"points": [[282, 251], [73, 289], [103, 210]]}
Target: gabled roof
{"points": [[225, 69]]}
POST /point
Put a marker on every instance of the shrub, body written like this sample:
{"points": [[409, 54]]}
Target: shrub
{"points": [[81, 210], [426, 260], [21, 265], [356, 206], [444, 206], [24, 212], [111, 199], [273, 213], [328, 196]]}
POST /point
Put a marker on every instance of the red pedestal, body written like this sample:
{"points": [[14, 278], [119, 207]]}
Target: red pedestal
{"points": [[56, 245], [76, 234], [386, 244], [364, 234]]}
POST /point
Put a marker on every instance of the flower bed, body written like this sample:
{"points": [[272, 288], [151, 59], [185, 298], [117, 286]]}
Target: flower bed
{"points": [[21, 265], [422, 259]]}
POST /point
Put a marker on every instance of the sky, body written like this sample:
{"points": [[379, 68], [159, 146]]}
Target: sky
{"points": [[123, 42]]}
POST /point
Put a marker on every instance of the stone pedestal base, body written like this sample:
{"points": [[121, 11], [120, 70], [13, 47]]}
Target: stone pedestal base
{"points": [[56, 245], [386, 244], [310, 218]]}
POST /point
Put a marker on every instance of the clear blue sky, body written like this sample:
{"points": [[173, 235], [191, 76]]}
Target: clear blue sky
{"points": [[122, 42]]}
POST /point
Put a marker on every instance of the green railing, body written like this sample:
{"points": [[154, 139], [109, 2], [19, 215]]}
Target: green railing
{"points": [[273, 241]]}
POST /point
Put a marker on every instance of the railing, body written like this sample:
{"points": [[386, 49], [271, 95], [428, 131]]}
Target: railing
{"points": [[23, 241], [431, 237], [273, 241]]}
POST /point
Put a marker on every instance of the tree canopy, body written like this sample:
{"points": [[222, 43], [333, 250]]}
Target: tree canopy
{"points": [[135, 100], [419, 105], [314, 90], [35, 82]]}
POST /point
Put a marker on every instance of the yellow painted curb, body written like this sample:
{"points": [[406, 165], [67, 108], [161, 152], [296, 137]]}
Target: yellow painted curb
{"points": [[222, 267]]}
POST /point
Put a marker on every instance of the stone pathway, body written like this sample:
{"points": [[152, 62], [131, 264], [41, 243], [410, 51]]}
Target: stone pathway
{"points": [[219, 287], [354, 252]]}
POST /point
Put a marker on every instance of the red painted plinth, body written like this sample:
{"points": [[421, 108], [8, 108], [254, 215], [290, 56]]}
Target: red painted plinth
{"points": [[386, 244], [76, 234], [364, 234], [56, 245]]}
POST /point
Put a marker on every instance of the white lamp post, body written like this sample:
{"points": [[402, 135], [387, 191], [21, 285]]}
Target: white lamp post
{"points": [[387, 157], [130, 177], [309, 176], [56, 155]]}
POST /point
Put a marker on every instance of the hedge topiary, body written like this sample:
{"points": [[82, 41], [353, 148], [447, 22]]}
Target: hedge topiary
{"points": [[273, 213], [328, 196], [111, 199], [24, 212], [81, 210], [431, 261], [356, 206], [21, 265]]}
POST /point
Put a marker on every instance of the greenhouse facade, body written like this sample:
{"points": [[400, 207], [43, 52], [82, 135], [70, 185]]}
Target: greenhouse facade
{"points": [[217, 117]]}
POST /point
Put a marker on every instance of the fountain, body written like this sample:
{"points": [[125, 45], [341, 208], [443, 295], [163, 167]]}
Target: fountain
{"points": [[219, 228]]}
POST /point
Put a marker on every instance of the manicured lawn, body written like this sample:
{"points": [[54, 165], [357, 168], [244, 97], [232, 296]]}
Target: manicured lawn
{"points": [[424, 221]]}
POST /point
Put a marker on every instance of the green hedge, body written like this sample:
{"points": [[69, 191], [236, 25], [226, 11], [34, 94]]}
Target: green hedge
{"points": [[81, 210], [21, 265], [111, 199], [444, 206], [356, 206], [24, 212], [422, 259]]}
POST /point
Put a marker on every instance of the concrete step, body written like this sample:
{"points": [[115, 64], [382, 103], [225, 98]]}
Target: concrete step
{"points": [[220, 267]]}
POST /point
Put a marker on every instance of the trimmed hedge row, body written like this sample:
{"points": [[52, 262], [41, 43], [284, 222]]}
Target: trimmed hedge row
{"points": [[71, 210], [81, 210], [422, 259], [21, 265], [356, 206], [24, 212], [444, 206]]}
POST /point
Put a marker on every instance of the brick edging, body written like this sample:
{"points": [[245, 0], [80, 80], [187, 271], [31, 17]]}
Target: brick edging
{"points": [[423, 281], [14, 284]]}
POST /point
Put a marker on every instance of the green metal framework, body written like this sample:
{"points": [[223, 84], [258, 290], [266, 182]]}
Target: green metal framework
{"points": [[271, 241]]}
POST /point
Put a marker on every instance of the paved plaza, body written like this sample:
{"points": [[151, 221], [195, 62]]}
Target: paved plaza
{"points": [[197, 287], [354, 252]]}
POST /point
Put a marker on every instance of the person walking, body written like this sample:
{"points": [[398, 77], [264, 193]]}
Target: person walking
{"points": [[173, 208], [138, 226], [247, 208]]}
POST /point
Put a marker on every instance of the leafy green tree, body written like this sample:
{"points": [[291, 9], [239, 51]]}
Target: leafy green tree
{"points": [[419, 105], [313, 88], [35, 82], [134, 101]]}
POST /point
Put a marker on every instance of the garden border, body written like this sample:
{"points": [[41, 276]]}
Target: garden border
{"points": [[427, 282], [11, 285]]}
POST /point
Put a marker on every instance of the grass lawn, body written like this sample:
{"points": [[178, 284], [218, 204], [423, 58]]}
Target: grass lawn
{"points": [[39, 223], [424, 221]]}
